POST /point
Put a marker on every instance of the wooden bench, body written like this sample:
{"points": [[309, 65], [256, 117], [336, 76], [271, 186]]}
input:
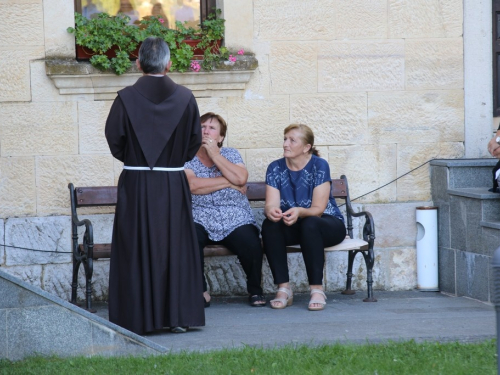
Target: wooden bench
{"points": [[88, 251]]}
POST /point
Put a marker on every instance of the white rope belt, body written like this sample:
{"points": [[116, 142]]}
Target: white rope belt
{"points": [[160, 169]]}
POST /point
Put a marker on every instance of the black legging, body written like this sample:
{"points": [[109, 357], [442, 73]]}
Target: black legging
{"points": [[312, 233], [244, 241]]}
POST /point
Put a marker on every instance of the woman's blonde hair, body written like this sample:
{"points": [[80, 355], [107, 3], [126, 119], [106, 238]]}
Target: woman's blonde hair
{"points": [[307, 136]]}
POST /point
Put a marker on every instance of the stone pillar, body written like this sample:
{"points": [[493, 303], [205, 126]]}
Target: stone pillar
{"points": [[478, 82]]}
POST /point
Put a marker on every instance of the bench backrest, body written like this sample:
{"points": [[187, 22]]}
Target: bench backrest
{"points": [[106, 195]]}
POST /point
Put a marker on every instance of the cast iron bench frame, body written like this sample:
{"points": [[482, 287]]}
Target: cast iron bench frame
{"points": [[86, 252]]}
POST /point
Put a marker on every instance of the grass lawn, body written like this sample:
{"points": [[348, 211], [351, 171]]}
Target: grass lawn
{"points": [[392, 358]]}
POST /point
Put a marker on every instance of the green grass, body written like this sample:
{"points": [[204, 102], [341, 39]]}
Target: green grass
{"points": [[392, 358]]}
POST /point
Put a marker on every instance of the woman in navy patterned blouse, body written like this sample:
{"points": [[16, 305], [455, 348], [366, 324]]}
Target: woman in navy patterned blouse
{"points": [[222, 214], [300, 210]]}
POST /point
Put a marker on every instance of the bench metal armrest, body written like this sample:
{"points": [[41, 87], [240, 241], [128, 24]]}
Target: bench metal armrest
{"points": [[88, 237], [368, 227]]}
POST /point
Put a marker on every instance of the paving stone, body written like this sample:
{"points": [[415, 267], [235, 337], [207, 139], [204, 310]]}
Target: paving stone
{"points": [[13, 296], [458, 223], [472, 275], [470, 176], [490, 241], [439, 184], [2, 241], [447, 268], [109, 343], [3, 333], [47, 330], [444, 222]]}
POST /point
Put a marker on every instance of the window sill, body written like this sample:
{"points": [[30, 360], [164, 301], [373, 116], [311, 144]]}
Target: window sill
{"points": [[76, 78]]}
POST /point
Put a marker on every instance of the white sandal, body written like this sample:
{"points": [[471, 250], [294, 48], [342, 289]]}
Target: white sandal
{"points": [[284, 301], [317, 301]]}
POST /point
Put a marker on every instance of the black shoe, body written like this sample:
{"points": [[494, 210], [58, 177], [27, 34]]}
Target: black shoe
{"points": [[255, 301], [179, 329]]}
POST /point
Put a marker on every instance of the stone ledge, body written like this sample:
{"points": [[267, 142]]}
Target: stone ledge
{"points": [[490, 224], [487, 162], [72, 77], [475, 193]]}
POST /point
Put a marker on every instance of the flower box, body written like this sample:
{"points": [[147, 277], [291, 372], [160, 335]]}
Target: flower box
{"points": [[84, 54], [198, 52]]}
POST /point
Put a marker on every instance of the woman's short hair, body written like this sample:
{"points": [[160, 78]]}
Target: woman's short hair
{"points": [[223, 126], [154, 55], [307, 136]]}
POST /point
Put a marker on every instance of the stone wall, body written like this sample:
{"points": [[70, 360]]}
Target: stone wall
{"points": [[469, 226], [380, 82]]}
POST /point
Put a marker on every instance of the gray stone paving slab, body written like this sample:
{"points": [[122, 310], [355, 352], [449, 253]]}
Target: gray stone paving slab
{"points": [[444, 219], [45, 331], [3, 334], [33, 321], [447, 270], [472, 275], [422, 316], [12, 296]]}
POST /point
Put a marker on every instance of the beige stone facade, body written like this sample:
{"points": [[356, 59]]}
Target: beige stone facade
{"points": [[381, 82]]}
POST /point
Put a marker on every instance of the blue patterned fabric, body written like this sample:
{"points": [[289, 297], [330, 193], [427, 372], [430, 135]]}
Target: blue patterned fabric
{"points": [[296, 187], [221, 211]]}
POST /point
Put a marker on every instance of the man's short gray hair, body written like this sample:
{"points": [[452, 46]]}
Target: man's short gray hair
{"points": [[154, 55]]}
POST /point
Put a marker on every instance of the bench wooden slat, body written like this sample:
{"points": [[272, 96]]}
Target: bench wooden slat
{"points": [[216, 250], [107, 195], [100, 250], [256, 191], [347, 244], [104, 250], [96, 196]]}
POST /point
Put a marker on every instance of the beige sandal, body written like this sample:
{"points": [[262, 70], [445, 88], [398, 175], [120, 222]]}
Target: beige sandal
{"points": [[313, 301], [284, 302]]}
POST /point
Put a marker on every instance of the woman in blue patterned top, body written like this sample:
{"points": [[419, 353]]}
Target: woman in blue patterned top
{"points": [[221, 211], [300, 210]]}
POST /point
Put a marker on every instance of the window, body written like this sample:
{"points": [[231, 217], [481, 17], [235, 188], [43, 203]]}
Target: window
{"points": [[190, 11], [496, 58]]}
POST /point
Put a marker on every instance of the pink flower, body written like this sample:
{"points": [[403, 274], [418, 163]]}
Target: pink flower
{"points": [[232, 58], [241, 52], [195, 66], [161, 20]]}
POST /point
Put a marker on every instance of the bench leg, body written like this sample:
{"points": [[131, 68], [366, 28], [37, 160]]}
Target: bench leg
{"points": [[369, 260], [350, 262], [74, 284], [89, 270]]}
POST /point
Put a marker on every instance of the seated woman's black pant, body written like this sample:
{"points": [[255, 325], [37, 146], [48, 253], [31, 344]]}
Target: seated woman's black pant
{"points": [[244, 241], [312, 233]]}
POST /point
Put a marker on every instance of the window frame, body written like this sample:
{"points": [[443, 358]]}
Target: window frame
{"points": [[206, 7], [496, 56]]}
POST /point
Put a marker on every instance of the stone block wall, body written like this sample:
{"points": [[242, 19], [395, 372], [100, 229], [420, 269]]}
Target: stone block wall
{"points": [[380, 82]]}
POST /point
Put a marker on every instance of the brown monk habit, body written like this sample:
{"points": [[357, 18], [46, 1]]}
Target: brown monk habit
{"points": [[154, 278]]}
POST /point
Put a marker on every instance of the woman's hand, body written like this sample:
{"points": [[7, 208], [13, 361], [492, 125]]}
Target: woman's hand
{"points": [[210, 145], [291, 216], [241, 189], [274, 214]]}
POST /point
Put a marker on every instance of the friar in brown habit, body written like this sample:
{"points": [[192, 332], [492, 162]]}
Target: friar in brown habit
{"points": [[154, 128]]}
